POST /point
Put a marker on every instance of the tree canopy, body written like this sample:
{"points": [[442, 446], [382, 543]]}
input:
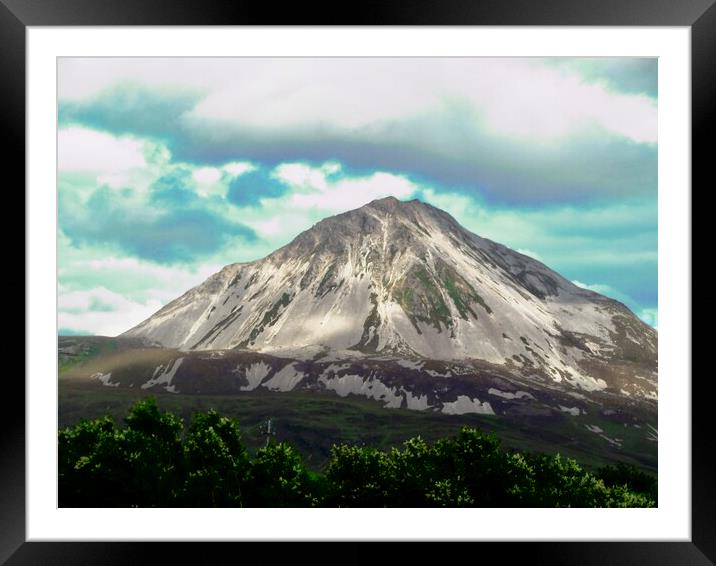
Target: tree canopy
{"points": [[154, 461]]}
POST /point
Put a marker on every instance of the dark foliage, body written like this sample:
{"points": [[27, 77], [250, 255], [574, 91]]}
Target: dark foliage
{"points": [[629, 477], [154, 462]]}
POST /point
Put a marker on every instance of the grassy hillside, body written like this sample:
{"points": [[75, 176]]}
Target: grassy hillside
{"points": [[313, 421]]}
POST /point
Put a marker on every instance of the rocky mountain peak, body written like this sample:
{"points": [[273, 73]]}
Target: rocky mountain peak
{"points": [[404, 278], [391, 205]]}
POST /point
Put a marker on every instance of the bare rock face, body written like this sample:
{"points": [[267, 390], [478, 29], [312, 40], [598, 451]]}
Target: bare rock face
{"points": [[404, 280]]}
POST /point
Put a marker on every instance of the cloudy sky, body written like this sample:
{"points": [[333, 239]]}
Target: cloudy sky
{"points": [[170, 169]]}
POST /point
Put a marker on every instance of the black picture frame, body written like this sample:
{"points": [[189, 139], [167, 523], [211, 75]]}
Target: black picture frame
{"points": [[698, 15]]}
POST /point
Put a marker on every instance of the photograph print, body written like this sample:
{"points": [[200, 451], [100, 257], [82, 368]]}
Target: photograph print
{"points": [[357, 282]]}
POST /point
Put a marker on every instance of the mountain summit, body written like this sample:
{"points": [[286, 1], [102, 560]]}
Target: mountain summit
{"points": [[406, 280]]}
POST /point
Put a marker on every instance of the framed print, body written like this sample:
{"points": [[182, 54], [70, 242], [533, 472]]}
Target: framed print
{"points": [[293, 139]]}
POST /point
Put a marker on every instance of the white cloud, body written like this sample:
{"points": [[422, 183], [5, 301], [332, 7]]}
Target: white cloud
{"points": [[277, 222], [207, 181], [206, 175], [650, 316], [521, 97], [80, 77], [82, 149], [596, 287], [114, 180], [331, 167], [320, 191], [556, 105], [237, 168], [271, 227], [462, 121], [99, 298], [453, 203], [302, 176], [515, 97], [174, 280], [103, 311], [100, 311]]}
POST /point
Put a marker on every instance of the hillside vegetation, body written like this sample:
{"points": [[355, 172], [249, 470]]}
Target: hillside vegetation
{"points": [[155, 461]]}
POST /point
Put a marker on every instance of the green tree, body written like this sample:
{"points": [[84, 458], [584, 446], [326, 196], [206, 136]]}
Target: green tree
{"points": [[476, 467], [357, 476], [149, 462], [280, 479], [89, 459], [216, 462], [412, 474], [152, 452], [101, 465]]}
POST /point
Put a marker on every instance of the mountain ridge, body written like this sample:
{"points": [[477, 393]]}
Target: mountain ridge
{"points": [[405, 278]]}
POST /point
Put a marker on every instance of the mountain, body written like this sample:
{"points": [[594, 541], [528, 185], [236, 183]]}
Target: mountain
{"points": [[395, 304], [405, 280], [391, 304]]}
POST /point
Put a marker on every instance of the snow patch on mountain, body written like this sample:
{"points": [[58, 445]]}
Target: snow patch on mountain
{"points": [[465, 404], [410, 364], [165, 378], [254, 374], [416, 402], [509, 395], [285, 379], [104, 379], [371, 388]]}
